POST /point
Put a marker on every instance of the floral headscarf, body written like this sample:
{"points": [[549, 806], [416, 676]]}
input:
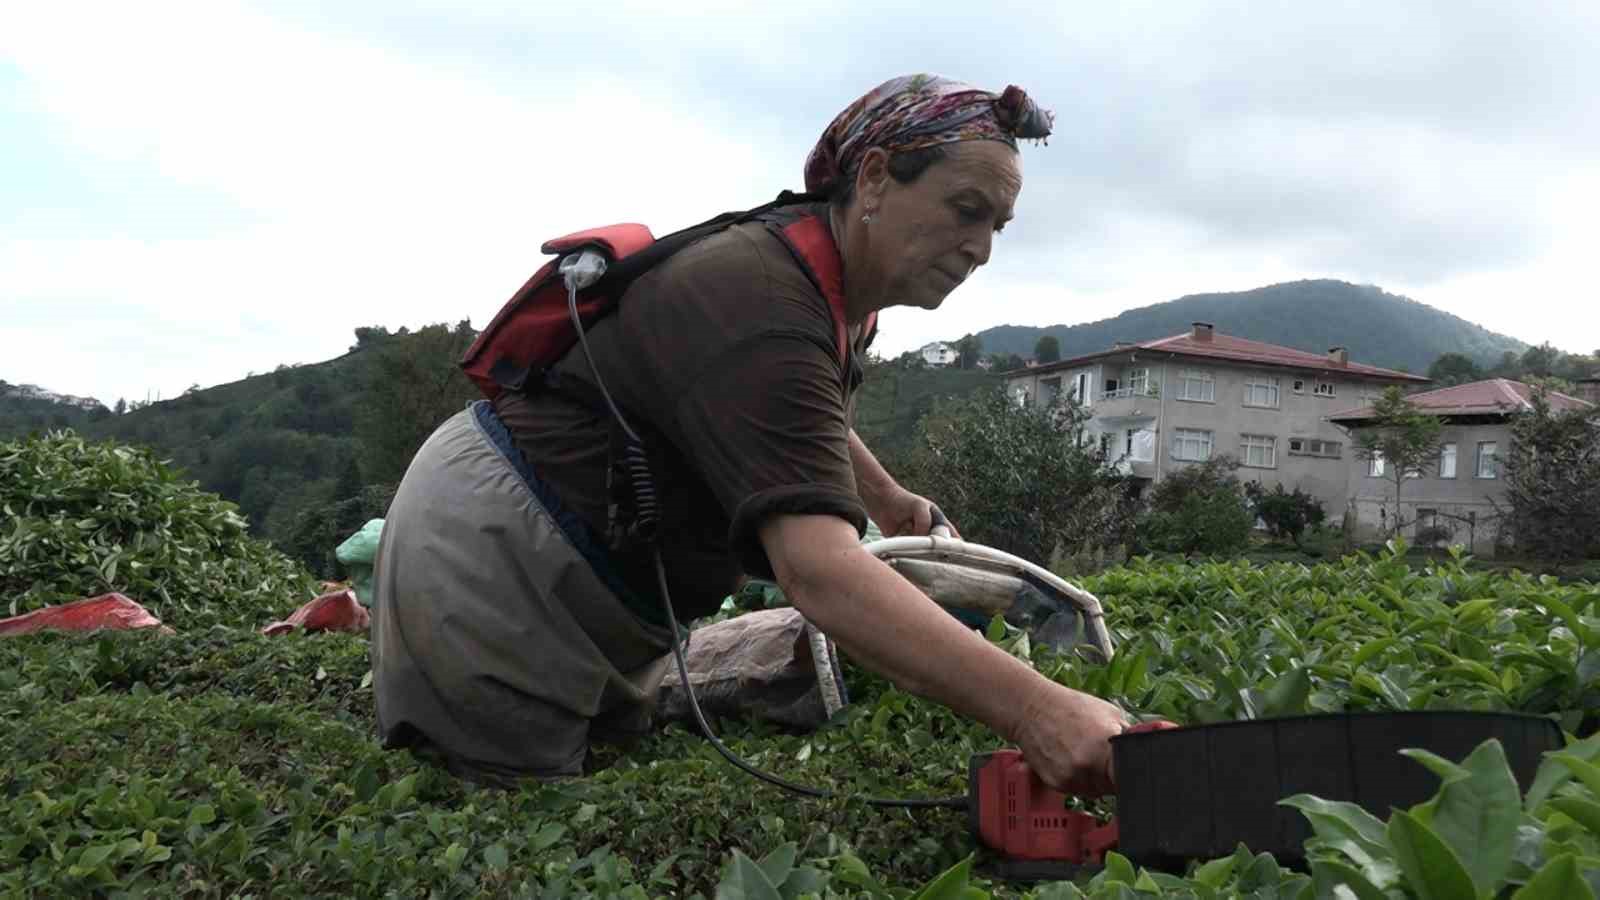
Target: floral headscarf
{"points": [[916, 111]]}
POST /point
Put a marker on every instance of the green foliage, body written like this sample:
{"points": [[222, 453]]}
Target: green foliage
{"points": [[895, 396], [1405, 439], [219, 762], [1047, 349], [1454, 368], [971, 349], [1551, 504], [1019, 479], [1198, 509], [22, 416], [82, 519], [1286, 514], [409, 388]]}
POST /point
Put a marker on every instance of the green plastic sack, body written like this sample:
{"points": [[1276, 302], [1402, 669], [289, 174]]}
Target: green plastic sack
{"points": [[356, 554]]}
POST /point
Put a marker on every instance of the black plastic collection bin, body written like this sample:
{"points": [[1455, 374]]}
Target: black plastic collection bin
{"points": [[1197, 792]]}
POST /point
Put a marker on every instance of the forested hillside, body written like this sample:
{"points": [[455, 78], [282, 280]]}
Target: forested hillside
{"points": [[1379, 328], [310, 452]]}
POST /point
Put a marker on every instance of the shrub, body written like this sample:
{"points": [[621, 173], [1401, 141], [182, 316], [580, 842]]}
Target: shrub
{"points": [[1199, 509], [1020, 479], [1551, 507], [1286, 515], [84, 519], [1433, 535]]}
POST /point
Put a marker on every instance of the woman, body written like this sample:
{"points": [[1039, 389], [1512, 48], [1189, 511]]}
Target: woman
{"points": [[509, 631]]}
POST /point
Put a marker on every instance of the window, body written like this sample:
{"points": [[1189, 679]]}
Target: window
{"points": [[1111, 385], [1139, 381], [1324, 389], [1314, 447], [1049, 389], [1105, 445], [1375, 465], [1447, 460], [1141, 445], [1080, 388], [1486, 459], [1191, 444], [1259, 451], [1298, 386], [1196, 384], [1261, 391]]}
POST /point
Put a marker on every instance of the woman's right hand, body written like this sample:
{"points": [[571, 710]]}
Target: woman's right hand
{"points": [[1065, 737]]}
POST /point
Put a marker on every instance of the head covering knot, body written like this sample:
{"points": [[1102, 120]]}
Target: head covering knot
{"points": [[912, 112]]}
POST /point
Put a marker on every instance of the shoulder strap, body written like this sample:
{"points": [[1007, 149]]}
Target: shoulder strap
{"points": [[808, 238]]}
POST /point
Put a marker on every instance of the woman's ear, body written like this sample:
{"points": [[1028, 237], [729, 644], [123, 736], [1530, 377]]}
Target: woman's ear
{"points": [[872, 177]]}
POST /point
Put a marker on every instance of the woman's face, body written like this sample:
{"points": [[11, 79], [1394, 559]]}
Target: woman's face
{"points": [[927, 237]]}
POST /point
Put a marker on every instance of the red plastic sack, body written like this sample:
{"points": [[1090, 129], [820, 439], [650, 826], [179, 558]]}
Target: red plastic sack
{"points": [[336, 611], [113, 611]]}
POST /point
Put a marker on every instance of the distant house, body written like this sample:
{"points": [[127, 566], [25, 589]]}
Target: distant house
{"points": [[1455, 491], [938, 353], [1162, 405], [1589, 388]]}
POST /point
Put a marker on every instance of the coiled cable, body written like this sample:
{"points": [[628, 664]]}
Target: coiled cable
{"points": [[582, 270]]}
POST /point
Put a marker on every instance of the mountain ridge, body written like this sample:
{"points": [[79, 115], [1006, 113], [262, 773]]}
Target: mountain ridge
{"points": [[1377, 327]]}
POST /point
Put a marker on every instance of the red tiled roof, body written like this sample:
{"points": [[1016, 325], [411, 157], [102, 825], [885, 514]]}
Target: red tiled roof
{"points": [[1237, 349], [1491, 397]]}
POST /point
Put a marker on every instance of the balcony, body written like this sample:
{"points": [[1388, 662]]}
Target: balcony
{"points": [[1121, 393], [1128, 402]]}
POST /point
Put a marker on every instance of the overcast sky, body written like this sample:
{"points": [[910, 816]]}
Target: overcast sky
{"points": [[190, 192]]}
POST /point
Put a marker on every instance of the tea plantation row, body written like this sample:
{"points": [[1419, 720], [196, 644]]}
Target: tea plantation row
{"points": [[220, 763]]}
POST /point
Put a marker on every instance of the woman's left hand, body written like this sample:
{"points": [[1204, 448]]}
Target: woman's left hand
{"points": [[903, 513]]}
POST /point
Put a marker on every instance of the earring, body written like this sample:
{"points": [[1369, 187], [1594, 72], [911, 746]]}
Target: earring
{"points": [[867, 219]]}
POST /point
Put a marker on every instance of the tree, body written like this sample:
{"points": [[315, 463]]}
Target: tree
{"points": [[121, 407], [1284, 513], [1540, 360], [971, 348], [1551, 506], [1454, 368], [1020, 479], [1006, 362], [1047, 349], [1199, 509], [412, 386], [1401, 439]]}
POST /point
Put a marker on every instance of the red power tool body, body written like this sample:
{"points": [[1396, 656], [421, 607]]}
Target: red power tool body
{"points": [[1028, 825]]}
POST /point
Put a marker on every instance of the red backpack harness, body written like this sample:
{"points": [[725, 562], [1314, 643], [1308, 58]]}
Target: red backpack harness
{"points": [[533, 330]]}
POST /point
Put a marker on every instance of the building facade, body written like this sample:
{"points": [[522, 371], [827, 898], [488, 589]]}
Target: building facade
{"points": [[1453, 497], [1162, 405], [938, 353]]}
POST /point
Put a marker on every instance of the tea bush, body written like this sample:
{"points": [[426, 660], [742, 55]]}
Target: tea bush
{"points": [[84, 518], [218, 762]]}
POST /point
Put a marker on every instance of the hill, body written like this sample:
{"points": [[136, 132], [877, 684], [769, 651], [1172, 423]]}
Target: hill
{"points": [[27, 408], [1379, 328]]}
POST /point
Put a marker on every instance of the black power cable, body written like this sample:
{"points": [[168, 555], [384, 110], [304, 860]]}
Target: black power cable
{"points": [[644, 489]]}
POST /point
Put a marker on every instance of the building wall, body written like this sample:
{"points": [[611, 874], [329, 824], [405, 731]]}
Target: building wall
{"points": [[1297, 416], [1464, 496], [1038, 389], [1165, 409]]}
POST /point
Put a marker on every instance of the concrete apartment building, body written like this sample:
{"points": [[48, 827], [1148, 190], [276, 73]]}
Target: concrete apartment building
{"points": [[1169, 403], [1456, 490]]}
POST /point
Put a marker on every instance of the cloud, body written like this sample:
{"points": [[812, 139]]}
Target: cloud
{"points": [[247, 185]]}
